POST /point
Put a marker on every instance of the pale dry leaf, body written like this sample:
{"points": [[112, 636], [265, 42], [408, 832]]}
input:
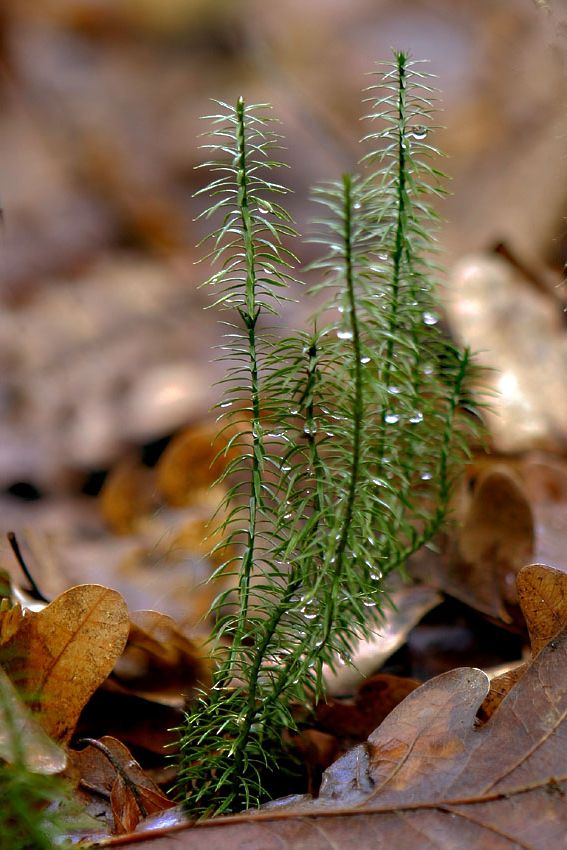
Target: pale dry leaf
{"points": [[410, 604]]}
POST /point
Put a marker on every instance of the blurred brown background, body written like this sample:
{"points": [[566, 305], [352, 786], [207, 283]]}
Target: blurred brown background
{"points": [[104, 347]]}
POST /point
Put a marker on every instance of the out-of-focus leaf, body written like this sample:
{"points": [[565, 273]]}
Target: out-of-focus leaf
{"points": [[496, 539], [159, 661], [190, 464], [22, 736], [411, 604], [519, 333], [126, 497]]}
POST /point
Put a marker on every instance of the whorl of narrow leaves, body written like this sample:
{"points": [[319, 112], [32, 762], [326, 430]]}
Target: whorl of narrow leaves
{"points": [[348, 435]]}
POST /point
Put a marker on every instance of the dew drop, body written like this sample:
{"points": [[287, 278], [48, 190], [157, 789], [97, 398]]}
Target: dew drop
{"points": [[430, 318], [356, 206], [344, 334], [226, 404], [391, 418], [365, 360], [376, 575], [294, 411], [426, 476], [310, 615], [369, 603], [419, 132], [394, 390], [416, 418]]}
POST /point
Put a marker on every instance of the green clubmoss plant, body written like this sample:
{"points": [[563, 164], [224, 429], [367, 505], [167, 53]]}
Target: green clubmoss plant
{"points": [[344, 440]]}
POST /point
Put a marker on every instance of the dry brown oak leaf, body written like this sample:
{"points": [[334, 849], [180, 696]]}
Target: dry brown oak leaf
{"points": [[59, 656], [430, 778], [542, 592]]}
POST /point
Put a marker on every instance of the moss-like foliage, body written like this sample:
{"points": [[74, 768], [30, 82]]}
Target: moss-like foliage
{"points": [[344, 440]]}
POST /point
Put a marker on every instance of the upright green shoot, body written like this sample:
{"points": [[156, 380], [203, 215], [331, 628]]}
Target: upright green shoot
{"points": [[348, 435]]}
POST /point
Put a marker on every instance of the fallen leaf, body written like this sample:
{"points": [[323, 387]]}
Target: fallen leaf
{"points": [[59, 656], [159, 661], [108, 768], [38, 751], [430, 777], [409, 605], [542, 592], [138, 722], [126, 497], [191, 463], [496, 539], [356, 718]]}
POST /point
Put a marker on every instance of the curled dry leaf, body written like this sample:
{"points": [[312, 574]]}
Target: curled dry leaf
{"points": [[160, 663], [59, 656], [542, 592], [108, 768], [429, 777], [496, 540]]}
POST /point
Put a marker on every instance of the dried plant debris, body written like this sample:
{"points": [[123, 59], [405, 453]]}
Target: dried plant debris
{"points": [[430, 774]]}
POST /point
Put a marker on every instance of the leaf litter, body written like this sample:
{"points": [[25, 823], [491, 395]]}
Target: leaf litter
{"points": [[431, 775], [383, 758]]}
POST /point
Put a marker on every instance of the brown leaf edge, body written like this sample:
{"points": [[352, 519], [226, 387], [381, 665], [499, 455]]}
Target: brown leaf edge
{"points": [[461, 691]]}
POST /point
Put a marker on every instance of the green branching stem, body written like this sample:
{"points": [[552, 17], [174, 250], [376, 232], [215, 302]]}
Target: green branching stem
{"points": [[357, 403], [326, 497], [399, 250], [249, 317]]}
